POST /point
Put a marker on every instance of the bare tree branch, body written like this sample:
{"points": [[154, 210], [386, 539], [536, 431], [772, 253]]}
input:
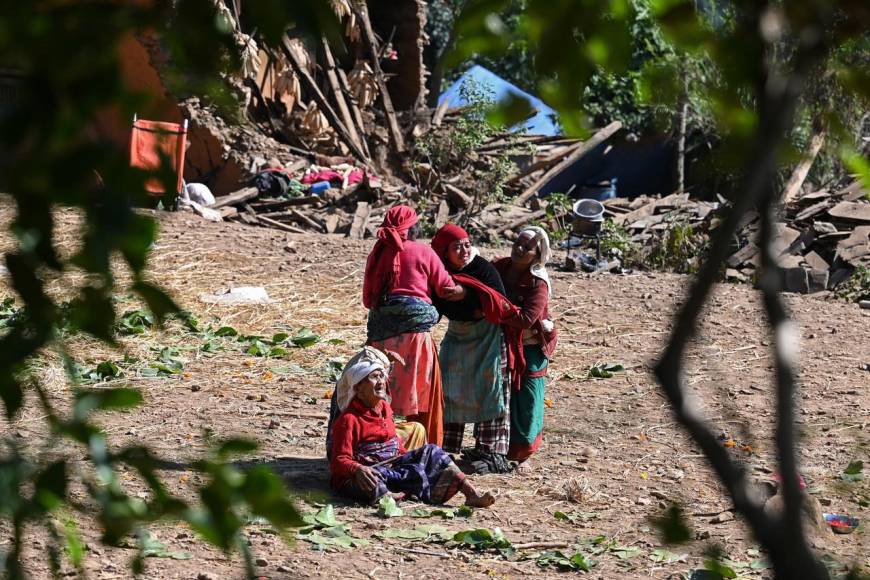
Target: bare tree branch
{"points": [[777, 99]]}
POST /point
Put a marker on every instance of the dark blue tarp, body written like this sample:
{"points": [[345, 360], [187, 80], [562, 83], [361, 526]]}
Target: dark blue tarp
{"points": [[545, 120]]}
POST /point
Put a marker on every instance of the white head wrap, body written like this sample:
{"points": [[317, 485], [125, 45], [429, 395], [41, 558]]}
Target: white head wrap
{"points": [[539, 266], [357, 368]]}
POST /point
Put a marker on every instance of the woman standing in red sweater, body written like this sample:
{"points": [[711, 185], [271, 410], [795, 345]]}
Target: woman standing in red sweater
{"points": [[401, 276]]}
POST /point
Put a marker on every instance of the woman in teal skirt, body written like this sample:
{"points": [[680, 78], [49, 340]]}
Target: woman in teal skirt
{"points": [[527, 285]]}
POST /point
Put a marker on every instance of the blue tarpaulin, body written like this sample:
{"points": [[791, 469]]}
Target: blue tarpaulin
{"points": [[545, 120]]}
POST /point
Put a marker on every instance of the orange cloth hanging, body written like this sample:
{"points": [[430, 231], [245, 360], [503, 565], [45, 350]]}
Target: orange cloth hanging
{"points": [[150, 139]]}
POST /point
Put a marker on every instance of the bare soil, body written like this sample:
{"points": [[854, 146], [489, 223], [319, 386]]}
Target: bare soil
{"points": [[643, 459]]}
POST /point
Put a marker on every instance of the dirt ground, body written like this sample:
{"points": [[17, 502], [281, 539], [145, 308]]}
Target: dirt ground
{"points": [[643, 459]]}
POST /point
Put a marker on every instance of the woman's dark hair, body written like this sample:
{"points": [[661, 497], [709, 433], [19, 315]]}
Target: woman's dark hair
{"points": [[414, 232]]}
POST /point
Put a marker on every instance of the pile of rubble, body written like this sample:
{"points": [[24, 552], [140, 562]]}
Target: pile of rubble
{"points": [[824, 237]]}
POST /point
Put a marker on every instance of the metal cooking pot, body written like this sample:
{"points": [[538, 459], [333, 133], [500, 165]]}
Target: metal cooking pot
{"points": [[588, 217]]}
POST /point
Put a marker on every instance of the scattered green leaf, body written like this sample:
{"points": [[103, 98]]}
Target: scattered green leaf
{"points": [[605, 370], [387, 507]]}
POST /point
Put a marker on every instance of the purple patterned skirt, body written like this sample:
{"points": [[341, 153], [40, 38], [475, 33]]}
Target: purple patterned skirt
{"points": [[427, 473]]}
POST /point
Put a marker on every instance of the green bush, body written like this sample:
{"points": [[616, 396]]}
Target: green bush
{"points": [[857, 287], [680, 250]]}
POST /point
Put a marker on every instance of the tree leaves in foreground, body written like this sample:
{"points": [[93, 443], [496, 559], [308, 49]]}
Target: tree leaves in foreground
{"points": [[65, 58]]}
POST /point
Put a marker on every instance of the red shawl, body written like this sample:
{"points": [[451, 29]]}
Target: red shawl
{"points": [[497, 309], [383, 266]]}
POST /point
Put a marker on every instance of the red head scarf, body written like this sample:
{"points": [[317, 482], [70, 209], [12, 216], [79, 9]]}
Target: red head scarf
{"points": [[382, 267], [445, 236]]}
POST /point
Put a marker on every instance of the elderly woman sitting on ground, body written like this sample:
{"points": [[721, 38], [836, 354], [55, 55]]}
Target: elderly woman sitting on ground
{"points": [[368, 458]]}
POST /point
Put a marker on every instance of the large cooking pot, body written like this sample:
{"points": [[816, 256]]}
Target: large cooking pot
{"points": [[588, 217]]}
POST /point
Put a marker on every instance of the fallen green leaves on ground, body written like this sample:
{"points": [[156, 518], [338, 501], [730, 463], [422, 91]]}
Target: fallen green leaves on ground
{"points": [[444, 512], [387, 507], [433, 533], [134, 322], [168, 363], [575, 517], [324, 531], [484, 539], [604, 370], [560, 560]]}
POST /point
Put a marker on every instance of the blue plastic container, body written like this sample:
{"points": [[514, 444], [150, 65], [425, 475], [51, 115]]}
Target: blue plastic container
{"points": [[319, 187], [599, 191]]}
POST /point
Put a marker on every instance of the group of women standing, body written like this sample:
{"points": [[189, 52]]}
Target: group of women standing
{"points": [[492, 362]]}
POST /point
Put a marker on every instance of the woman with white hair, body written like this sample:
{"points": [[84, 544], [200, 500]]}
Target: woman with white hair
{"points": [[527, 285], [368, 458]]}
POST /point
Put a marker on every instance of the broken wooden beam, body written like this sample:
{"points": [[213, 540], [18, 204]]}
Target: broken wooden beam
{"points": [[368, 35], [239, 196], [457, 197], [268, 222], [360, 221], [338, 94], [438, 117], [546, 162], [803, 168], [587, 146], [321, 101], [279, 204], [522, 220]]}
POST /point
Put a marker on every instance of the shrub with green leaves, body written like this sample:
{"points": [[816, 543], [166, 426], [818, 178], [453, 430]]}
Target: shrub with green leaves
{"points": [[616, 241], [680, 249], [857, 287]]}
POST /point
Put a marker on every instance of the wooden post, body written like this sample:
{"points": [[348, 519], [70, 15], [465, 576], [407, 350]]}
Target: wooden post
{"points": [[368, 35], [321, 101], [799, 175], [332, 76], [596, 140]]}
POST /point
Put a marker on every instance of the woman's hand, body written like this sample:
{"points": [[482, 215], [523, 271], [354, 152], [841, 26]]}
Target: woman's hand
{"points": [[366, 478], [454, 294], [394, 357]]}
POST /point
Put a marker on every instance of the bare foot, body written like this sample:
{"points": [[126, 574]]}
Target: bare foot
{"points": [[480, 500], [524, 468]]}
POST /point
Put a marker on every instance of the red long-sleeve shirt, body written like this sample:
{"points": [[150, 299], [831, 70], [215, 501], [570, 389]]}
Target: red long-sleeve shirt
{"points": [[531, 296], [358, 424]]}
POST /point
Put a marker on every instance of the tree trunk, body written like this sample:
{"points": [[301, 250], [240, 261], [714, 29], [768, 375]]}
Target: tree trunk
{"points": [[681, 134]]}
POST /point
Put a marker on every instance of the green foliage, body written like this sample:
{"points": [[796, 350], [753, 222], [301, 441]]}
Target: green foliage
{"points": [[853, 472], [446, 513], [324, 531], [470, 131], [46, 134], [680, 250], [483, 539], [387, 507], [135, 322], [604, 370], [857, 287], [558, 209], [558, 559], [616, 241], [453, 147]]}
